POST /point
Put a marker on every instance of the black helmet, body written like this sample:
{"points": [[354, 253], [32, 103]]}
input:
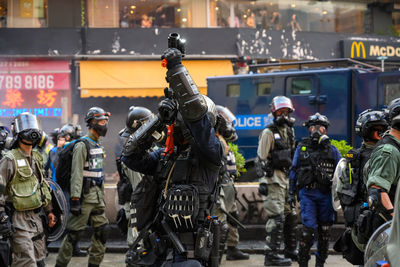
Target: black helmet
{"points": [[317, 119], [43, 140], [77, 131], [67, 130], [26, 127], [225, 126], [4, 131], [211, 110], [368, 119], [394, 113], [54, 134], [97, 114], [137, 116]]}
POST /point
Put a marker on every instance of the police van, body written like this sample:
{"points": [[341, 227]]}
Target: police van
{"points": [[340, 93]]}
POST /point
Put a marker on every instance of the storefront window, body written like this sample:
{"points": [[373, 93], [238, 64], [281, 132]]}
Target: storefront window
{"points": [[325, 16], [23, 13], [147, 13]]}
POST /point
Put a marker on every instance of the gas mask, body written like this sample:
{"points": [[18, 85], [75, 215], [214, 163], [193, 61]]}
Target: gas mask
{"points": [[316, 132], [100, 129], [3, 137], [284, 119], [30, 137]]}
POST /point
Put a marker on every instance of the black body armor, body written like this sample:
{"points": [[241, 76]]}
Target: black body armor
{"points": [[354, 193], [282, 154], [316, 166]]}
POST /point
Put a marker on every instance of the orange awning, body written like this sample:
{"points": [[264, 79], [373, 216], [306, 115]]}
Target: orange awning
{"points": [[142, 78]]}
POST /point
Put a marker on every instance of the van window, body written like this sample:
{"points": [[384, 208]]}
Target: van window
{"points": [[233, 90], [263, 89], [301, 86], [391, 91]]}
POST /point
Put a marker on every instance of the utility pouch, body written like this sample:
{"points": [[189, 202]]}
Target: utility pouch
{"points": [[364, 226], [182, 207], [349, 214], [204, 242], [86, 185]]}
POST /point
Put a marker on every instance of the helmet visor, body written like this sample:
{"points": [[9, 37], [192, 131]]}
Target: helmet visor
{"points": [[227, 114], [25, 121], [281, 102]]}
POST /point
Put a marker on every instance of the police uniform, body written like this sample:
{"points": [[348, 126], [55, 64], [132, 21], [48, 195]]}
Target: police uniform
{"points": [[87, 184], [311, 174], [27, 191], [227, 195], [195, 165], [272, 141], [393, 246], [383, 167], [350, 193]]}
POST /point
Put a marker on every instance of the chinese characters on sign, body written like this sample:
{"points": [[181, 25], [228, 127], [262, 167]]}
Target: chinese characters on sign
{"points": [[33, 86], [13, 98]]}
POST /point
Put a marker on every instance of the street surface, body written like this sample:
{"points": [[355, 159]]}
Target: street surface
{"points": [[118, 259]]}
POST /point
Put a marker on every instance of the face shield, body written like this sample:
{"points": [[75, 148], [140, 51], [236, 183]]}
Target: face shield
{"points": [[25, 121]]}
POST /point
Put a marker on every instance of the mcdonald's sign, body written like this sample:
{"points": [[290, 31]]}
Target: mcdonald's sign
{"points": [[370, 50], [358, 47]]}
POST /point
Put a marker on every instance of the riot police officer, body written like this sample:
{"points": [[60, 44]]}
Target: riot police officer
{"points": [[227, 196], [275, 150], [187, 168], [87, 205], [129, 179], [314, 163], [350, 189], [28, 194], [66, 134], [381, 172]]}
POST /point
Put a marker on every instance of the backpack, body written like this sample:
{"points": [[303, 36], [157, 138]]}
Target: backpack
{"points": [[63, 170]]}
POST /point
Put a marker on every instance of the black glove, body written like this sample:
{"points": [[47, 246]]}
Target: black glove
{"points": [[263, 189], [173, 57], [75, 207], [167, 110], [6, 227], [292, 200]]}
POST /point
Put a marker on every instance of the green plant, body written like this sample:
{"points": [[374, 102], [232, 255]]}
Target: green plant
{"points": [[240, 161], [342, 146]]}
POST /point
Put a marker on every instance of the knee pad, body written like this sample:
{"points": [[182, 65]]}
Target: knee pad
{"points": [[101, 233], [324, 231], [307, 236], [73, 237]]}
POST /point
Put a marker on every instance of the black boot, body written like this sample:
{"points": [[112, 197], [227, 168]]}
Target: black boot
{"points": [[93, 265], [77, 252], [233, 254], [324, 233], [40, 263], [306, 241], [223, 236], [290, 236], [274, 239]]}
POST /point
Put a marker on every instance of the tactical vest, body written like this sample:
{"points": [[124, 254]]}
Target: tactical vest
{"points": [[93, 168], [188, 186], [388, 140], [316, 164], [281, 156], [25, 190], [354, 190]]}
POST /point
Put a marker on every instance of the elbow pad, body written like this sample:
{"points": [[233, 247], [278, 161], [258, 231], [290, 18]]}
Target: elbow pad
{"points": [[192, 105], [143, 138]]}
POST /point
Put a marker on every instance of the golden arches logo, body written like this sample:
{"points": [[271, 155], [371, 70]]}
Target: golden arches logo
{"points": [[359, 47]]}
